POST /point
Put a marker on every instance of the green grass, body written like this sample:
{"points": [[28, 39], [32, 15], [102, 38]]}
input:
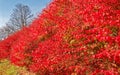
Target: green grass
{"points": [[6, 68]]}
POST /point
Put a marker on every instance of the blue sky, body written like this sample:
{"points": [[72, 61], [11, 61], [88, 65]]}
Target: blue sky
{"points": [[7, 6]]}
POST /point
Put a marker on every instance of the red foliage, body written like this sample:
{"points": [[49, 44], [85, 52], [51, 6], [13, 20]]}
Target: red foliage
{"points": [[70, 37]]}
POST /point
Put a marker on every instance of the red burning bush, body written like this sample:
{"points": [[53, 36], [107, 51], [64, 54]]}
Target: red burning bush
{"points": [[70, 37]]}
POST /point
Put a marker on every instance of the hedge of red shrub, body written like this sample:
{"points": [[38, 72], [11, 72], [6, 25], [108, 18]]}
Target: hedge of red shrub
{"points": [[69, 37]]}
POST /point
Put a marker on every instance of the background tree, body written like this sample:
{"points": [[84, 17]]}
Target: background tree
{"points": [[4, 32], [20, 18]]}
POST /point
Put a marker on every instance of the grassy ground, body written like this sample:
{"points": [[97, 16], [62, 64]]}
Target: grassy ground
{"points": [[6, 68]]}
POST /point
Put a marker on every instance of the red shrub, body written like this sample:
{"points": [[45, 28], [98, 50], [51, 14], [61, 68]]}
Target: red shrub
{"points": [[70, 37]]}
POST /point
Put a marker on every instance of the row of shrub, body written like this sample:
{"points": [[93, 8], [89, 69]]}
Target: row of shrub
{"points": [[69, 37]]}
